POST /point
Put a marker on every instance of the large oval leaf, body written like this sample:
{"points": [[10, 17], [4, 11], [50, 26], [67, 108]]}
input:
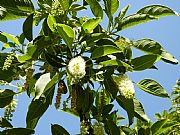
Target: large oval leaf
{"points": [[133, 20], [15, 9], [95, 8], [67, 33], [18, 131], [90, 24], [156, 10], [105, 50], [51, 21], [144, 62], [152, 87]]}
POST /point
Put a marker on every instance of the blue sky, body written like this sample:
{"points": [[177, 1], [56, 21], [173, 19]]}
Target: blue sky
{"points": [[166, 31]]}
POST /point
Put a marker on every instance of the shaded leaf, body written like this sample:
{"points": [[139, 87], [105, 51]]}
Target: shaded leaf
{"points": [[58, 130], [157, 10], [157, 126], [144, 62], [15, 9], [3, 38], [128, 106], [4, 123], [67, 33], [139, 111], [95, 8], [105, 50], [18, 131], [6, 96], [133, 20], [90, 24], [111, 128], [28, 28], [152, 87]]}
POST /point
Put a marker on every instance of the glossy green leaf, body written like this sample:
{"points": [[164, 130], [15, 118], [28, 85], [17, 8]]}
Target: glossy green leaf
{"points": [[157, 10], [116, 63], [122, 13], [28, 28], [152, 47], [11, 37], [58, 130], [67, 33], [6, 96], [65, 4], [90, 24], [133, 20], [28, 55], [111, 7], [95, 8], [139, 111], [105, 50], [4, 123], [144, 62], [156, 127], [18, 131], [169, 58], [152, 87], [51, 21], [15, 9], [128, 106]]}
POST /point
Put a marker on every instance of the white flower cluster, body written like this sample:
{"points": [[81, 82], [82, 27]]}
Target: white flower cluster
{"points": [[76, 67], [126, 87]]}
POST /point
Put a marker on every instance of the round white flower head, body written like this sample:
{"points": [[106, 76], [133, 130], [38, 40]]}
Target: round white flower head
{"points": [[76, 67], [126, 87]]}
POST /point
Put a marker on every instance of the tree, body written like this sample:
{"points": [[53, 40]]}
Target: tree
{"points": [[76, 56]]}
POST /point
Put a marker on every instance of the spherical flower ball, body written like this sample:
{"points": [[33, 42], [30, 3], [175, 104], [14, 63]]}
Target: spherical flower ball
{"points": [[126, 87], [76, 67]]}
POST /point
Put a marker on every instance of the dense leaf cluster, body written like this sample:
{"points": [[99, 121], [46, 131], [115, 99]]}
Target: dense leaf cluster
{"points": [[41, 63]]}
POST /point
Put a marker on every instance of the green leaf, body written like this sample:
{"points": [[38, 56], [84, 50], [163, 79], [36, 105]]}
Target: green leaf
{"points": [[6, 96], [36, 109], [29, 53], [3, 38], [28, 28], [122, 13], [11, 37], [152, 47], [139, 111], [65, 4], [18, 131], [67, 33], [111, 7], [169, 58], [112, 128], [157, 10], [58, 130], [51, 22], [4, 123], [95, 8], [133, 20], [90, 24], [15, 9], [116, 63], [144, 62], [152, 87], [157, 126], [105, 50], [128, 106]]}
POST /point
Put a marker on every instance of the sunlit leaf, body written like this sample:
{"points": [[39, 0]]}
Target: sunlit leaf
{"points": [[157, 126], [144, 62], [51, 22], [95, 8], [169, 58], [122, 13], [90, 24], [11, 37], [65, 4], [58, 130], [67, 33], [152, 87], [105, 50], [157, 10], [133, 20]]}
